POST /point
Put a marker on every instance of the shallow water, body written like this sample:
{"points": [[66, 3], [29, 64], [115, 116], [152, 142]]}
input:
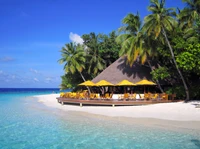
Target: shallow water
{"points": [[25, 123]]}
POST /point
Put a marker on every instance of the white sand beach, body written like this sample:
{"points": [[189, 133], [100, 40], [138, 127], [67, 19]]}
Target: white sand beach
{"points": [[179, 111]]}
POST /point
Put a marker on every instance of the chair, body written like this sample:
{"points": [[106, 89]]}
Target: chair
{"points": [[66, 95], [154, 97], [107, 96], [111, 96], [77, 95], [82, 96], [97, 96], [120, 97], [164, 96], [86, 94], [126, 96], [150, 96], [173, 96], [141, 96], [92, 96], [62, 94], [72, 95], [132, 96], [146, 96]]}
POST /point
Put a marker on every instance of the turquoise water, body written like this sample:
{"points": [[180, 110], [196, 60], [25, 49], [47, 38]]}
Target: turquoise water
{"points": [[27, 124]]}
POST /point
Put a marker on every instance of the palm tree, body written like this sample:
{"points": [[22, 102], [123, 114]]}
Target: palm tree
{"points": [[64, 84], [189, 19], [160, 21], [147, 52], [192, 34], [96, 63], [134, 42], [130, 39], [190, 13], [74, 58]]}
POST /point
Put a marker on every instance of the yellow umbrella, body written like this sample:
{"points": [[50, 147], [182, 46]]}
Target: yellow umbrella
{"points": [[145, 82], [104, 83], [87, 83], [125, 83]]}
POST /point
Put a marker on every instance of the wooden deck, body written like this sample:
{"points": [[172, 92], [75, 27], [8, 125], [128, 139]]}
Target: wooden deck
{"points": [[110, 102]]}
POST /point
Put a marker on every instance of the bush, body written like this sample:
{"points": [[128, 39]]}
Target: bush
{"points": [[178, 90]]}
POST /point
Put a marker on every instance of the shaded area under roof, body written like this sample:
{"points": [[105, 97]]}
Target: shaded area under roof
{"points": [[119, 71]]}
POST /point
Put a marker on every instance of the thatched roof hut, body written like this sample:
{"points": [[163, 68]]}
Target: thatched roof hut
{"points": [[120, 70]]}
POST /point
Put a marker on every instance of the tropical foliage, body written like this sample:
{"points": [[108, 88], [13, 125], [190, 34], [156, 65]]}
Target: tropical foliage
{"points": [[169, 36], [84, 62], [74, 57]]}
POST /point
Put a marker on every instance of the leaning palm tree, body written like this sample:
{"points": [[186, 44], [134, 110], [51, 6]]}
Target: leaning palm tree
{"points": [[130, 38], [134, 43], [74, 58], [189, 18], [190, 13], [160, 21], [94, 60], [192, 34], [73, 55]]}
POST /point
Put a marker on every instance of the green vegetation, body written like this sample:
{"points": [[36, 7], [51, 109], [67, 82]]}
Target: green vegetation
{"points": [[74, 58], [170, 37], [84, 62]]}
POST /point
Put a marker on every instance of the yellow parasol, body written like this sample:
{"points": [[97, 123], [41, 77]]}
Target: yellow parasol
{"points": [[125, 83], [87, 83], [145, 82], [104, 83]]}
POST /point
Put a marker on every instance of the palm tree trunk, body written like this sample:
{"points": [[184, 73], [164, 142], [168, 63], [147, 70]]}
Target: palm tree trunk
{"points": [[84, 81], [173, 58], [159, 86]]}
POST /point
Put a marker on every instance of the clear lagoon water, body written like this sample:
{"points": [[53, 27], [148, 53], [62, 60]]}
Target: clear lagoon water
{"points": [[27, 124]]}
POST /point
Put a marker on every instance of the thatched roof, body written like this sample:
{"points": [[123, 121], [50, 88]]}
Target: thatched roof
{"points": [[119, 71]]}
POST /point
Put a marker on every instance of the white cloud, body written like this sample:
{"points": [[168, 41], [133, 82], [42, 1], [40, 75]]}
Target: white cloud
{"points": [[13, 76], [57, 78], [75, 38], [7, 76], [48, 79], [7, 80], [36, 80], [6, 59], [34, 71]]}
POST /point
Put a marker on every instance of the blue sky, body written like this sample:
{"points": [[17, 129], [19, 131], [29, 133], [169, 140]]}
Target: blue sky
{"points": [[32, 32]]}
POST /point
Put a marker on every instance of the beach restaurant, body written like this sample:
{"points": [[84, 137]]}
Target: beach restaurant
{"points": [[119, 84]]}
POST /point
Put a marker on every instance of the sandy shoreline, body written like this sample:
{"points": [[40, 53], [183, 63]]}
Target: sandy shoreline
{"points": [[167, 111], [174, 116]]}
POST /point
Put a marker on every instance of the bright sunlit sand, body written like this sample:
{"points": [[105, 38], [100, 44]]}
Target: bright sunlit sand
{"points": [[179, 111]]}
